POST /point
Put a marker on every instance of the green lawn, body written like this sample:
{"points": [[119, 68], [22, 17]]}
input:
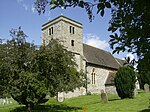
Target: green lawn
{"points": [[92, 103]]}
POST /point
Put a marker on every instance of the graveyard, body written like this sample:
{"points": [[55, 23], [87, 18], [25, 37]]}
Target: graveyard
{"points": [[88, 103]]}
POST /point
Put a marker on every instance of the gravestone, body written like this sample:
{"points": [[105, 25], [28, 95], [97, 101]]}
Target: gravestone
{"points": [[4, 101], [104, 97], [0, 100], [135, 92], [146, 88], [60, 97], [10, 101]]}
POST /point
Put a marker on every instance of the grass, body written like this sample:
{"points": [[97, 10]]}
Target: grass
{"points": [[92, 103]]}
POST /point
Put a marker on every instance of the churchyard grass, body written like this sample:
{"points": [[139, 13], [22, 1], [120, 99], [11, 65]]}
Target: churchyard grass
{"points": [[92, 103]]}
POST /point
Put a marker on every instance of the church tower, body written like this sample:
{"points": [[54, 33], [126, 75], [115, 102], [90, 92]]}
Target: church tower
{"points": [[69, 32]]}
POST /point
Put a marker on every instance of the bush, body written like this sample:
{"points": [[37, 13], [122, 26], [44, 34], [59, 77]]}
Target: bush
{"points": [[125, 82]]}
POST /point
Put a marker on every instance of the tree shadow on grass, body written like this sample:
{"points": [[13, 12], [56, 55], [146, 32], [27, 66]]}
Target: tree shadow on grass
{"points": [[145, 110], [114, 99], [49, 108]]}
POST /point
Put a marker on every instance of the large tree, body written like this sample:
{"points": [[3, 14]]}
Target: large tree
{"points": [[130, 25], [29, 73]]}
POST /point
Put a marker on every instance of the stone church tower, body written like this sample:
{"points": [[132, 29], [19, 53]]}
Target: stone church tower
{"points": [[99, 66], [69, 32]]}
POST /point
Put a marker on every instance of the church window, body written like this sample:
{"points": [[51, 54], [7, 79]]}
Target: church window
{"points": [[72, 29], [72, 42], [93, 76], [51, 31]]}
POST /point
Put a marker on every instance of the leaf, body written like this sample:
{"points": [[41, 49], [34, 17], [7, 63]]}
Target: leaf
{"points": [[108, 5], [53, 7], [98, 11], [61, 2], [52, 2], [114, 51], [102, 12], [112, 36], [100, 6], [81, 4]]}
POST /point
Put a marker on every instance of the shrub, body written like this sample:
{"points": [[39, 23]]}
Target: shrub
{"points": [[125, 82]]}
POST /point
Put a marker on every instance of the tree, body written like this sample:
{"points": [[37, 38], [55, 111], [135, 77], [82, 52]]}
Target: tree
{"points": [[130, 25], [144, 73], [29, 74], [125, 82], [21, 83]]}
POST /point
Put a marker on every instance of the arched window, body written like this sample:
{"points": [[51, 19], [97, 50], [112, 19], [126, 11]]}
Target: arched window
{"points": [[51, 31], [72, 42], [93, 76], [72, 29]]}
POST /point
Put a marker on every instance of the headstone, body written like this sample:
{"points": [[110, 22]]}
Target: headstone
{"points": [[82, 91], [7, 102], [60, 97], [137, 85], [104, 97], [146, 88], [10, 102], [4, 101], [0, 100], [135, 92]]}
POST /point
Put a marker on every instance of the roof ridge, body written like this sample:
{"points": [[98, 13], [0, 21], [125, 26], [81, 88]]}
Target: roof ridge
{"points": [[97, 48], [60, 17]]}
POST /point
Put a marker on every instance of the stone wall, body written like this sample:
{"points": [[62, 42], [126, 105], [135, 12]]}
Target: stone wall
{"points": [[110, 89], [77, 92], [101, 77]]}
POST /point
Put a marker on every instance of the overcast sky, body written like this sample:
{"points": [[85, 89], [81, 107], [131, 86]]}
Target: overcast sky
{"points": [[15, 13]]}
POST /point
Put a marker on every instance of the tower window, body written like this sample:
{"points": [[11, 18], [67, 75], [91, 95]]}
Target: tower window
{"points": [[51, 31], [72, 42], [72, 29]]}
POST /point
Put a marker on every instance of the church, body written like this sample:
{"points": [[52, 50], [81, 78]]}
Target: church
{"points": [[99, 65]]}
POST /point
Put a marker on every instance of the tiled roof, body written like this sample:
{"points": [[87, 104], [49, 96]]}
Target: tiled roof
{"points": [[99, 57], [120, 61]]}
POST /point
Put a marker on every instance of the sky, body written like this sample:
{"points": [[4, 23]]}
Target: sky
{"points": [[15, 13]]}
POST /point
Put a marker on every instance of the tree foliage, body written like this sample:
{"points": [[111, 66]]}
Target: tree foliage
{"points": [[40, 5], [125, 82], [144, 73], [29, 73]]}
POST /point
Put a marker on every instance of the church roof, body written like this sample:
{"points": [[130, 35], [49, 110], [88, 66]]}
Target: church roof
{"points": [[99, 57], [120, 61]]}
